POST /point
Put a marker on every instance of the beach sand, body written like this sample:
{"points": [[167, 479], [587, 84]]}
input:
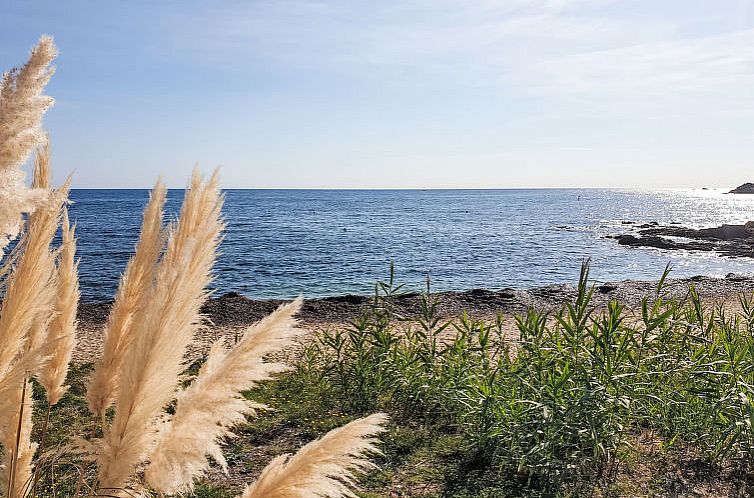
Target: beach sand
{"points": [[229, 314]]}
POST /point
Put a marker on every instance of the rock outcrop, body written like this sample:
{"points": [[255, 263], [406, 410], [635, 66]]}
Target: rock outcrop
{"points": [[728, 240], [746, 188]]}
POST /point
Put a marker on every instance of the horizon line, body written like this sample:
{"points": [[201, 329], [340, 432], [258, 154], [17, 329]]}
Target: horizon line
{"points": [[429, 188]]}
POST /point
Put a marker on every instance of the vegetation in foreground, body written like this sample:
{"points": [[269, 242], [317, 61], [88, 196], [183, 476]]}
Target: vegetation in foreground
{"points": [[585, 402], [574, 406]]}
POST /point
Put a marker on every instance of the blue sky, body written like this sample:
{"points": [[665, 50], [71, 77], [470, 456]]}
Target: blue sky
{"points": [[416, 93]]}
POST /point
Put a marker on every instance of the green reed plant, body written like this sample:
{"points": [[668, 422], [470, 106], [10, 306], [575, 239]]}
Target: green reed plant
{"points": [[560, 403]]}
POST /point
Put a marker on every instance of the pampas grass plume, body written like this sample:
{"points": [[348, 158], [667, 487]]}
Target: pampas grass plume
{"points": [[140, 272], [323, 468], [212, 404], [62, 328], [42, 225], [12, 384], [24, 315], [22, 106], [165, 326], [29, 296]]}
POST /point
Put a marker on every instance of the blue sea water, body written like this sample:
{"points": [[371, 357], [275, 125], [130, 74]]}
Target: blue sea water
{"points": [[283, 243]]}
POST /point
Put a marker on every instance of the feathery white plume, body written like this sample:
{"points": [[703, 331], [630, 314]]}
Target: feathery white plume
{"points": [[324, 468], [119, 331], [165, 325], [212, 404], [22, 106]]}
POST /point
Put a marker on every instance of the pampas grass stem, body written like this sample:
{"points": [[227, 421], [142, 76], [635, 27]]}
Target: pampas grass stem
{"points": [[17, 470]]}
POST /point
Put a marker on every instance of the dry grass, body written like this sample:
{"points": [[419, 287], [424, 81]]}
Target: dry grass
{"points": [[154, 321], [324, 467], [119, 330], [212, 404]]}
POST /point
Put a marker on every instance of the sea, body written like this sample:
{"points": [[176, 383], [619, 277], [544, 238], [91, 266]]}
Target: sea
{"points": [[318, 243]]}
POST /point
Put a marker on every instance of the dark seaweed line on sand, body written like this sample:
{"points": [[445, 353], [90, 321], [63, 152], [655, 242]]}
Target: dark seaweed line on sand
{"points": [[232, 309]]}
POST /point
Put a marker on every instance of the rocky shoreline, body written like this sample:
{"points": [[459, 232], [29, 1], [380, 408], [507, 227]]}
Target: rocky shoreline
{"points": [[233, 310], [727, 240]]}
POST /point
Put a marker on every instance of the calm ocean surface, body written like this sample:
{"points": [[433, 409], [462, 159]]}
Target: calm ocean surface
{"points": [[282, 243]]}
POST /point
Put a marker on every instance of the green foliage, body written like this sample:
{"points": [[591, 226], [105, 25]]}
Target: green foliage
{"points": [[204, 490], [555, 408], [561, 408]]}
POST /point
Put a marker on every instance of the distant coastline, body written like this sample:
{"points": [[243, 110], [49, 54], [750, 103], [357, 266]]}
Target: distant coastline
{"points": [[746, 188]]}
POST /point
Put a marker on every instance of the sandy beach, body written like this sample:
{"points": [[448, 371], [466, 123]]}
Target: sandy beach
{"points": [[228, 314]]}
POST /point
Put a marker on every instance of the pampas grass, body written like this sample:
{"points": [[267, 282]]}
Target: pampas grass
{"points": [[42, 225], [29, 293], [212, 404], [139, 274], [18, 466], [62, 328], [24, 316], [166, 325], [153, 320], [22, 106], [322, 468]]}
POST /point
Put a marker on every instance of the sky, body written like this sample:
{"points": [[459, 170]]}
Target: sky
{"points": [[397, 94]]}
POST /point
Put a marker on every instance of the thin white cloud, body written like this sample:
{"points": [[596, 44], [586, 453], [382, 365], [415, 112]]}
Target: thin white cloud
{"points": [[467, 39], [561, 47], [716, 63]]}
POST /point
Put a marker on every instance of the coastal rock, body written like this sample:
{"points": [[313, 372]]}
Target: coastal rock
{"points": [[508, 293], [736, 277], [553, 292], [484, 294], [648, 241], [347, 299], [728, 240], [607, 288], [746, 188], [723, 232]]}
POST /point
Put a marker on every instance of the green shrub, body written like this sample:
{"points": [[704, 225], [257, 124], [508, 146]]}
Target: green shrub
{"points": [[556, 407]]}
